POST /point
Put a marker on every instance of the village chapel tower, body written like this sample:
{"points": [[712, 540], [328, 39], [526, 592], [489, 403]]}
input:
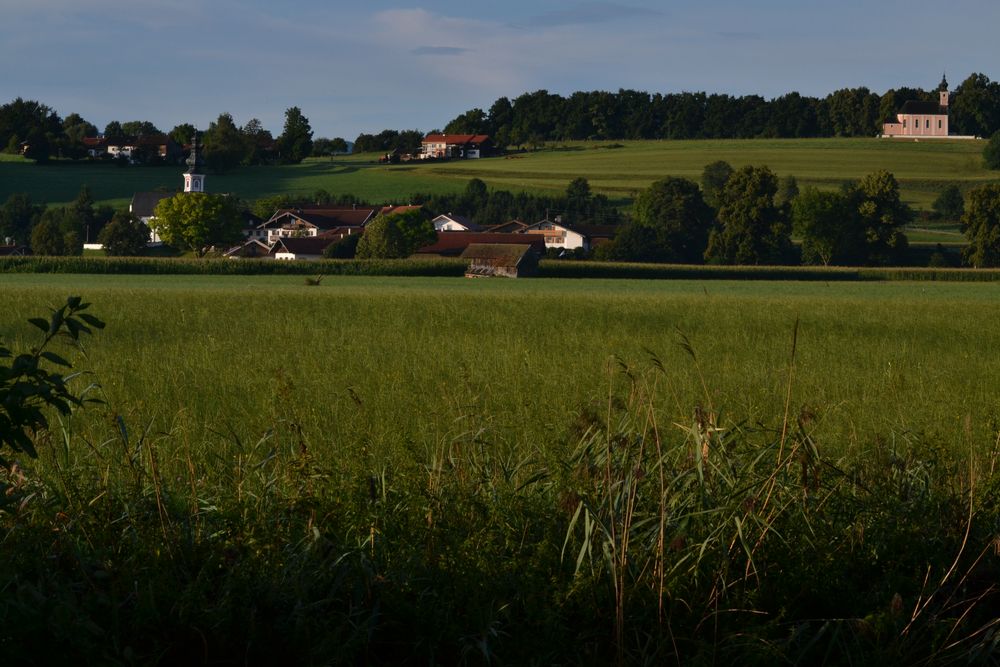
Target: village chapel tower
{"points": [[194, 177]]}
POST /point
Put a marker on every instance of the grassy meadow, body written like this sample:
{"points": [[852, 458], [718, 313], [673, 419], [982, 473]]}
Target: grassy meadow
{"points": [[447, 471], [872, 359], [618, 169]]}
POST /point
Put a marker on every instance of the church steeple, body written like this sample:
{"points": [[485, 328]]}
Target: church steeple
{"points": [[194, 177], [943, 91]]}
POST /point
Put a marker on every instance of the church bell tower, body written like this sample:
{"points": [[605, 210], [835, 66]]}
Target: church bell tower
{"points": [[943, 91], [194, 177]]}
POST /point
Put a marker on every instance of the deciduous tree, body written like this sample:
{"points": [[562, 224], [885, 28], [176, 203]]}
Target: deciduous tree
{"points": [[713, 180], [753, 229], [674, 209], [124, 236], [197, 220], [981, 223], [991, 154], [295, 142]]}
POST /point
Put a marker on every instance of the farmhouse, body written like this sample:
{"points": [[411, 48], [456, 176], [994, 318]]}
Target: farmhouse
{"points": [[292, 248], [567, 236], [921, 119], [463, 146], [455, 223], [509, 227], [321, 220], [508, 260]]}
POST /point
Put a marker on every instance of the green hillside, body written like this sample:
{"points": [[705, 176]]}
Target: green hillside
{"points": [[616, 169]]}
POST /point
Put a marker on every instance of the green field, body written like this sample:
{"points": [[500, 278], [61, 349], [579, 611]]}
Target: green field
{"points": [[447, 471], [873, 359], [619, 170]]}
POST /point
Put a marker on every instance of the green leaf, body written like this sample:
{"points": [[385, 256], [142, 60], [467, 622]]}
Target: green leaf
{"points": [[55, 358], [74, 302], [91, 320], [40, 323]]}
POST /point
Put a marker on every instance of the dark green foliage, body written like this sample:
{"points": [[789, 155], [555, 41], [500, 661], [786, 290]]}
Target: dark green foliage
{"points": [[991, 154], [27, 387], [949, 205], [323, 147], [17, 217], [828, 228], [981, 223], [226, 267], [882, 215], [224, 144], [345, 248], [31, 121], [182, 134], [295, 143], [196, 220], [395, 236], [59, 232], [788, 190], [752, 228], [679, 219], [975, 107], [713, 181], [388, 141], [124, 236]]}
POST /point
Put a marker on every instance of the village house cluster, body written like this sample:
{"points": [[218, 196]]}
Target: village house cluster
{"points": [[305, 232]]}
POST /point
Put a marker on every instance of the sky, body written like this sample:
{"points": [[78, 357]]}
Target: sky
{"points": [[354, 66]]}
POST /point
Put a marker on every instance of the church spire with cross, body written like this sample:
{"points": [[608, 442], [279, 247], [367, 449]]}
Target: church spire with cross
{"points": [[194, 177]]}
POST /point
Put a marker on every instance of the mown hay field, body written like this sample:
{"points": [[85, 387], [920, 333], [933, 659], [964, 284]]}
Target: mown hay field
{"points": [[617, 169], [381, 364]]}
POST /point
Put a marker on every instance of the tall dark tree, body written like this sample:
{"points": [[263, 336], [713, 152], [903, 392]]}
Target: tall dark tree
{"points": [[882, 215], [124, 236], [713, 180], [829, 229], [981, 224], [17, 217], [991, 154], [113, 130], [182, 134], [139, 128], [950, 204], [224, 144], [295, 142], [473, 121], [32, 122], [679, 217], [975, 107], [752, 228]]}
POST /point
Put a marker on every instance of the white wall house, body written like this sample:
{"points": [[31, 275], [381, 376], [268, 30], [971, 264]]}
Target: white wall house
{"points": [[455, 223], [558, 235]]}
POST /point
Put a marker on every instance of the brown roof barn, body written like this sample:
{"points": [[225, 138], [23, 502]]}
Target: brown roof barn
{"points": [[508, 260]]}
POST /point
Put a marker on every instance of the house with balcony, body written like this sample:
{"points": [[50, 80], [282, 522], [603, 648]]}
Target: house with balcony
{"points": [[456, 146]]}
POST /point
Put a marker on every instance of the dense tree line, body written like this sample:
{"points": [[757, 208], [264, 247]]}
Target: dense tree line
{"points": [[542, 116], [52, 231], [34, 129]]}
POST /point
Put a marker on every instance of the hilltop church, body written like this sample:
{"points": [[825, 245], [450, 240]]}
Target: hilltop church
{"points": [[921, 119]]}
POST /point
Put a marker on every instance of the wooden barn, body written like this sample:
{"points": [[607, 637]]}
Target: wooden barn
{"points": [[506, 260]]}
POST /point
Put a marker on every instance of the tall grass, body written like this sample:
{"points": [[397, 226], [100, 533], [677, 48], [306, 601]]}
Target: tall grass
{"points": [[668, 528]]}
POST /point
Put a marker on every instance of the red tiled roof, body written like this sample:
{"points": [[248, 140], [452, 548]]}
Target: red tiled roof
{"points": [[392, 210], [456, 139], [454, 243]]}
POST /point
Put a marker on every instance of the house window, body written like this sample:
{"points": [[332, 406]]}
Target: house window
{"points": [[928, 124], [939, 123]]}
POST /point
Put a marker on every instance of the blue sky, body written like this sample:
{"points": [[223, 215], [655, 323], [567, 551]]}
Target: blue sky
{"points": [[365, 66]]}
